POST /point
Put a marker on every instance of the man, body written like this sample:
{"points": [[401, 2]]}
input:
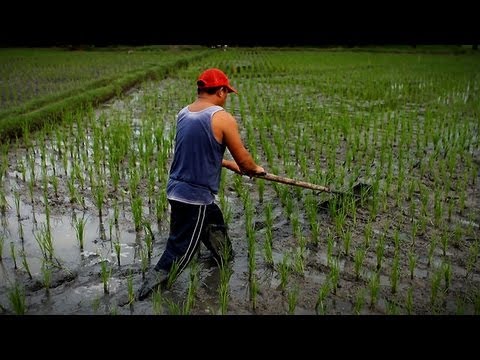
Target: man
{"points": [[204, 130]]}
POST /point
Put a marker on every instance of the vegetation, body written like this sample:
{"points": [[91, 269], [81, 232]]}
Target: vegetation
{"points": [[404, 123]]}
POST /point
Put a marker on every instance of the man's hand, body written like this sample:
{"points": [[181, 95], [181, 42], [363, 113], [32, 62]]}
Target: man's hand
{"points": [[259, 171]]}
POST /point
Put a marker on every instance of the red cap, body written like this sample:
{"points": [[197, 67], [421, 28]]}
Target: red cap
{"points": [[214, 78]]}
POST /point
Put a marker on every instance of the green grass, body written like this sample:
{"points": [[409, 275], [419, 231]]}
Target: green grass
{"points": [[40, 85]]}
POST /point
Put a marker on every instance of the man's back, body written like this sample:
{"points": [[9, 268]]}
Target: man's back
{"points": [[197, 163]]}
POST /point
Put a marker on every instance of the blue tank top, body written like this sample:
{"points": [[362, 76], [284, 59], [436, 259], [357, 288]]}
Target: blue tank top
{"points": [[197, 161]]}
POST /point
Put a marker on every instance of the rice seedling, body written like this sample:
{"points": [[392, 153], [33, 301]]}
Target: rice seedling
{"points": [[161, 206], [3, 203], [25, 264], [444, 242], [110, 231], [412, 211], [157, 301], [137, 212], [105, 273], [457, 236], [173, 307], [144, 260], [424, 197], [288, 205], [115, 176], [224, 287], [17, 299], [4, 163], [374, 287], [395, 273], [72, 190], [392, 308], [22, 169], [292, 298], [64, 160], [99, 196], [101, 230], [78, 174], [359, 301], [359, 257], [298, 256], [54, 181], [261, 189], [12, 254], [149, 237], [320, 305], [131, 293], [267, 246], [79, 226], [414, 229], [451, 205], [173, 274], [334, 275], [353, 208], [296, 228], [192, 287], [396, 240], [340, 219], [284, 269], [227, 213], [330, 246], [46, 276]]}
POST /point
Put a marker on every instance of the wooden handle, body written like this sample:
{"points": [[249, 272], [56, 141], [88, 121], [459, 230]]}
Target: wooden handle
{"points": [[289, 181]]}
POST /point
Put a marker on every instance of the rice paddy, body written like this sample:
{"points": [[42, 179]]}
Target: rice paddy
{"points": [[84, 212]]}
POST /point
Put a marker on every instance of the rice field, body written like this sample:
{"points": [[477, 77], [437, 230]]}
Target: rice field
{"points": [[84, 212]]}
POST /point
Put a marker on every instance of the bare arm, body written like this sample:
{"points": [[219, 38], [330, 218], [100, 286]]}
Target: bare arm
{"points": [[231, 165], [226, 126]]}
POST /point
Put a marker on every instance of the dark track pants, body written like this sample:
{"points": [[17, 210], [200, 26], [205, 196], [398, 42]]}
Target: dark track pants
{"points": [[190, 224]]}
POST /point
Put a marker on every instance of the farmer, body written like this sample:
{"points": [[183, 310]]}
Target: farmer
{"points": [[204, 130]]}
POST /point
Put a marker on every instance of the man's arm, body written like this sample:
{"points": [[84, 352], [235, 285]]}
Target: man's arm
{"points": [[244, 163], [231, 165]]}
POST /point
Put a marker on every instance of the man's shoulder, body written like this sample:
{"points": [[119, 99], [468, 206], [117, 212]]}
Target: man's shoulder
{"points": [[224, 120], [224, 114]]}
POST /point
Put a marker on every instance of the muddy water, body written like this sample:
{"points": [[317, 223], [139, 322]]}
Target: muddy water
{"points": [[76, 285]]}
